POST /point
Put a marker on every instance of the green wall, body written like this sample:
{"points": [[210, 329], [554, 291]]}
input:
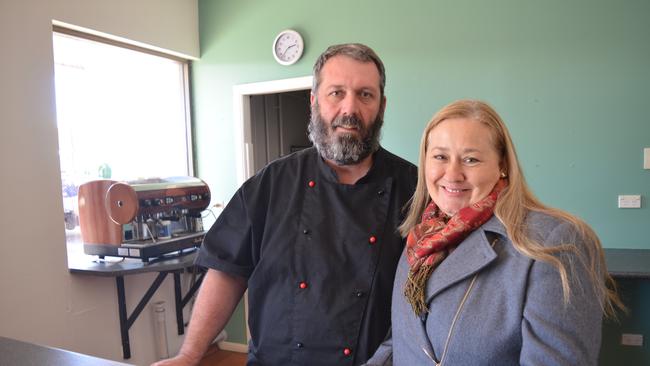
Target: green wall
{"points": [[570, 78]]}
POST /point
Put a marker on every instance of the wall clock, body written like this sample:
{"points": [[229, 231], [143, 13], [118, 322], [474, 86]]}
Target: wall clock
{"points": [[288, 47]]}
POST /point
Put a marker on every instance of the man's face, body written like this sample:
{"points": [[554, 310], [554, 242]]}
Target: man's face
{"points": [[347, 111]]}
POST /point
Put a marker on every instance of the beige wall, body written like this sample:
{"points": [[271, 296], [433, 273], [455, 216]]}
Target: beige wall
{"points": [[39, 300]]}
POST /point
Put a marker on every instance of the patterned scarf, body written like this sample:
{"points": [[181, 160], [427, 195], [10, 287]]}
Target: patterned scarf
{"points": [[431, 241]]}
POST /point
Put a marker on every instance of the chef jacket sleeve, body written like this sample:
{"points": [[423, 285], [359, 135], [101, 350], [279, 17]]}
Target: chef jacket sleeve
{"points": [[228, 245]]}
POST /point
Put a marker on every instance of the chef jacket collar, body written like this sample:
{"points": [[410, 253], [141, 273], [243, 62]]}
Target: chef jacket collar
{"points": [[377, 165]]}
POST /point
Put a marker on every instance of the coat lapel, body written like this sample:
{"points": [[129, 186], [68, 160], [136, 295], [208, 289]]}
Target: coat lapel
{"points": [[472, 255]]}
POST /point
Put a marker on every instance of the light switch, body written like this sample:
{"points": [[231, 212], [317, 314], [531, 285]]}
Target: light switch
{"points": [[646, 158], [629, 201]]}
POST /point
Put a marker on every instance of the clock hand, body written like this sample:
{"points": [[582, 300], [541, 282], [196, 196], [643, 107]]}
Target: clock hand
{"points": [[287, 49]]}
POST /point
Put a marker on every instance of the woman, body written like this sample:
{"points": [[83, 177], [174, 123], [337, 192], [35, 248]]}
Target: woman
{"points": [[489, 275]]}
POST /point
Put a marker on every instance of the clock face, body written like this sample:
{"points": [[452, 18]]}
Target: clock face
{"points": [[287, 47]]}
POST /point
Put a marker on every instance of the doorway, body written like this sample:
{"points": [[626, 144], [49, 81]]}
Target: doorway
{"points": [[278, 125], [273, 139]]}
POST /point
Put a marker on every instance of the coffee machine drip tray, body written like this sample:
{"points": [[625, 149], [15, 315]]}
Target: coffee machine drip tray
{"points": [[147, 249]]}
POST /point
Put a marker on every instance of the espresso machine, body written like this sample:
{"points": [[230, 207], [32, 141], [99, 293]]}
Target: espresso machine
{"points": [[143, 218]]}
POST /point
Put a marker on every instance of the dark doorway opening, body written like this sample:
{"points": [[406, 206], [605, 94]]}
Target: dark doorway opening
{"points": [[278, 125]]}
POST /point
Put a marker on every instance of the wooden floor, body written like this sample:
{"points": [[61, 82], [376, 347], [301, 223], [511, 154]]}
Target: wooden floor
{"points": [[217, 357]]}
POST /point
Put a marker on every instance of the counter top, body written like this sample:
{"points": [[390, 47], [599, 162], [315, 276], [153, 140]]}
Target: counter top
{"points": [[115, 266], [16, 353], [628, 263]]}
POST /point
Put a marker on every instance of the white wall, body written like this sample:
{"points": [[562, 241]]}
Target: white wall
{"points": [[39, 300]]}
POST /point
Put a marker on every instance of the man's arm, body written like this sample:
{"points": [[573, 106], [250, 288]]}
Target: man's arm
{"points": [[219, 295]]}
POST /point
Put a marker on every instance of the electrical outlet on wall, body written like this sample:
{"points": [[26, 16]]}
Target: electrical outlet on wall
{"points": [[628, 339], [629, 201]]}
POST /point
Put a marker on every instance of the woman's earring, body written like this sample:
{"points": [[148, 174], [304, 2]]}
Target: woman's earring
{"points": [[503, 174]]}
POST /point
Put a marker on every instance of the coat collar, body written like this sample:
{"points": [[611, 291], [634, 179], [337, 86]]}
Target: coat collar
{"points": [[472, 255]]}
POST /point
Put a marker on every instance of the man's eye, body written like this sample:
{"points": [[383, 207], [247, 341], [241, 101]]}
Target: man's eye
{"points": [[335, 93], [366, 95]]}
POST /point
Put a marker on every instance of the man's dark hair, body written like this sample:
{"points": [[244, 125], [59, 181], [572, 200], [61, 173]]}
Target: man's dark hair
{"points": [[356, 51]]}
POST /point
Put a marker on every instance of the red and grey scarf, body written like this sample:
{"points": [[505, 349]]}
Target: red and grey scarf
{"points": [[430, 241]]}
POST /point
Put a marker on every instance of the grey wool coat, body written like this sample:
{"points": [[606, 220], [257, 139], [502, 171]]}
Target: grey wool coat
{"points": [[514, 314]]}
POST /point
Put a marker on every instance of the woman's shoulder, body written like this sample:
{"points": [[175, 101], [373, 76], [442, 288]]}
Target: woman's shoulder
{"points": [[543, 220], [550, 230]]}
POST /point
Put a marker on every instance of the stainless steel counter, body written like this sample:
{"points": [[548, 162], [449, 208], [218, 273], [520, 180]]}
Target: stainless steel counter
{"points": [[18, 353]]}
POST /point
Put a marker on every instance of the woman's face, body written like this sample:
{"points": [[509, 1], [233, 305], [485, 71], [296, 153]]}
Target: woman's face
{"points": [[462, 164]]}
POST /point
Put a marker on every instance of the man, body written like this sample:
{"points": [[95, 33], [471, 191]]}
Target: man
{"points": [[313, 236]]}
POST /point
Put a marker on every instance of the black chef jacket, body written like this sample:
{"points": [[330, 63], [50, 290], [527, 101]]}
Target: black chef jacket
{"points": [[319, 257]]}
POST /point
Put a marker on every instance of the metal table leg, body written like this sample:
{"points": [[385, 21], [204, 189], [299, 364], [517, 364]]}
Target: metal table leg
{"points": [[124, 328], [127, 322], [181, 301], [177, 302]]}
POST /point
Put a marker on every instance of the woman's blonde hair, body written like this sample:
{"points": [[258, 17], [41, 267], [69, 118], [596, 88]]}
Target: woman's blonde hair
{"points": [[515, 201]]}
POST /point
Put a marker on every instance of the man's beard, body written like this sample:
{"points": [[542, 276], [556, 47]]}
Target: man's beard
{"points": [[345, 148]]}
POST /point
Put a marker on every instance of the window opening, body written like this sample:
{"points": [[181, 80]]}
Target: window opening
{"points": [[122, 114]]}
